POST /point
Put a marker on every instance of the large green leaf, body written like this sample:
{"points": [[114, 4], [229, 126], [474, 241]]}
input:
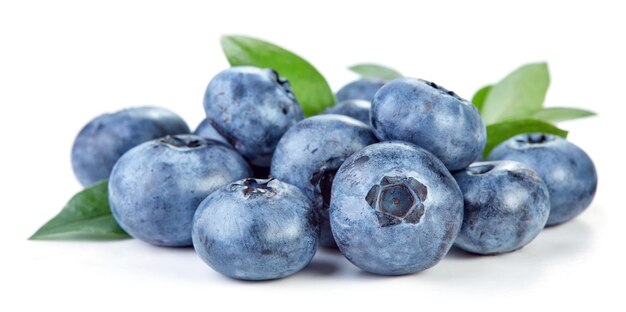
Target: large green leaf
{"points": [[480, 96], [311, 89], [86, 215], [375, 71], [518, 95], [556, 114], [500, 132]]}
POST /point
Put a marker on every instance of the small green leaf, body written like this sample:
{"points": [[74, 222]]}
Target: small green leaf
{"points": [[480, 96], [500, 132], [556, 114], [311, 89], [375, 71], [517, 95], [86, 215]]}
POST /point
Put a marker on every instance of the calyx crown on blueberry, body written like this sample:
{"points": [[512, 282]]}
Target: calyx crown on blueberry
{"points": [[189, 142], [397, 199], [444, 90], [254, 186], [533, 139], [285, 85]]}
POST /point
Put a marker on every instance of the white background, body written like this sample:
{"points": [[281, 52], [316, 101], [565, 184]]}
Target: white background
{"points": [[62, 63]]}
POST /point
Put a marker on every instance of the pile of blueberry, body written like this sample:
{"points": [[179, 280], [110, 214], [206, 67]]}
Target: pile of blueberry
{"points": [[389, 176]]}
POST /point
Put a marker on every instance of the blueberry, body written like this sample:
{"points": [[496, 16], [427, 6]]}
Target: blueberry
{"points": [[566, 169], [395, 209], [252, 108], [156, 187], [310, 153], [107, 137], [256, 229], [425, 114], [506, 206], [357, 109], [207, 131], [362, 89]]}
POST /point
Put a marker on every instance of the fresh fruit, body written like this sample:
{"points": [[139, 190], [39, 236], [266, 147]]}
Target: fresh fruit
{"points": [[566, 169], [107, 137], [430, 116], [256, 230], [310, 153], [156, 187], [395, 209], [506, 206], [252, 108]]}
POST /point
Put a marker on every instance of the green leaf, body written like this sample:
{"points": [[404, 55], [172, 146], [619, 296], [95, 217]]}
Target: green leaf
{"points": [[311, 89], [480, 96], [86, 215], [517, 95], [500, 132], [556, 114], [375, 71]]}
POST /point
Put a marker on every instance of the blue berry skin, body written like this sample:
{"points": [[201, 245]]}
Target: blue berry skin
{"points": [[156, 187], [309, 155], [425, 114], [207, 131], [362, 89], [566, 169], [395, 209], [506, 206], [107, 137], [252, 108], [357, 109], [256, 229]]}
